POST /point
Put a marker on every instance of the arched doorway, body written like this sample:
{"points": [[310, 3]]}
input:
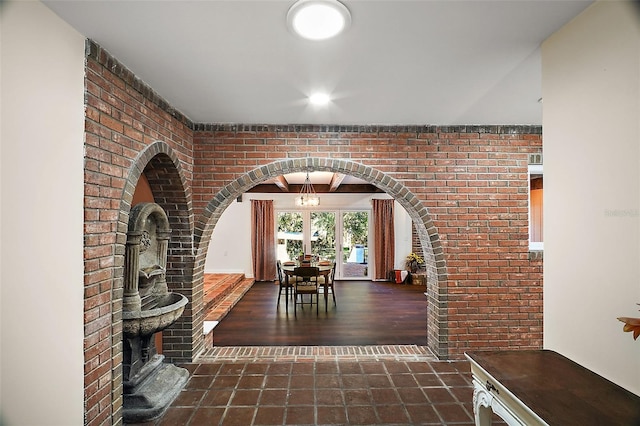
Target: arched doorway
{"points": [[426, 230]]}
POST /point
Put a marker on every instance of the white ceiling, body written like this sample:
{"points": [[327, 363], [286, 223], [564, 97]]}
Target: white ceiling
{"points": [[400, 63], [319, 178]]}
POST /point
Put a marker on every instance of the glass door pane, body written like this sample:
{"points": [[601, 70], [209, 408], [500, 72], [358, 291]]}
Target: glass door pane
{"points": [[289, 235], [323, 235], [355, 245]]}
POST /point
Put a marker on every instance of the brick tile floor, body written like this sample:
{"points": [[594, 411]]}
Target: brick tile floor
{"points": [[292, 389]]}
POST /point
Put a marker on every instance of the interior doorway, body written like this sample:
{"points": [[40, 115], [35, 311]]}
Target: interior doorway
{"points": [[230, 196]]}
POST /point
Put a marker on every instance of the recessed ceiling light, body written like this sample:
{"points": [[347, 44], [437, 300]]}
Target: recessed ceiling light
{"points": [[319, 99], [318, 19]]}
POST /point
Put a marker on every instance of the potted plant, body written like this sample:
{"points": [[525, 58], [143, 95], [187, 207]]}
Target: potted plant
{"points": [[414, 262]]}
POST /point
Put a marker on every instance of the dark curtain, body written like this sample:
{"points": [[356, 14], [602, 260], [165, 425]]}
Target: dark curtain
{"points": [[384, 237], [263, 243]]}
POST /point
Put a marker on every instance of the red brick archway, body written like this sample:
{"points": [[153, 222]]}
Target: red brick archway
{"points": [[426, 230]]}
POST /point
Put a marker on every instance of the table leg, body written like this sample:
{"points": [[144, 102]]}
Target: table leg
{"points": [[481, 405]]}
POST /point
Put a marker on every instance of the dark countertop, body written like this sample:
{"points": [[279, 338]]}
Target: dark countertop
{"points": [[559, 390]]}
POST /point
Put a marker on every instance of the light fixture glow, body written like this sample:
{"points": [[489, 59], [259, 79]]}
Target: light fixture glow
{"points": [[307, 196], [319, 99], [318, 19]]}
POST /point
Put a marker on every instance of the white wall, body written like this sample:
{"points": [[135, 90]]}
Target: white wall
{"points": [[230, 246], [591, 125], [41, 222]]}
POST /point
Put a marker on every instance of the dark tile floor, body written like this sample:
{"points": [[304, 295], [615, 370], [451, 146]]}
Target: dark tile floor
{"points": [[317, 392]]}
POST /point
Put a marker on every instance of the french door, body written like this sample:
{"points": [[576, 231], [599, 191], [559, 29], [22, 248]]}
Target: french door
{"points": [[336, 235], [354, 226]]}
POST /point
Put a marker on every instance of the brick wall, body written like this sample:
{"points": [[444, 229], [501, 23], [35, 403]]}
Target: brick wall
{"points": [[127, 129], [464, 186], [473, 182]]}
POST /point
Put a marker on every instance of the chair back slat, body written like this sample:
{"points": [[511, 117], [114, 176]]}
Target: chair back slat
{"points": [[306, 275], [306, 271]]}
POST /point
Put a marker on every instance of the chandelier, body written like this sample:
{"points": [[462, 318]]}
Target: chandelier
{"points": [[307, 196]]}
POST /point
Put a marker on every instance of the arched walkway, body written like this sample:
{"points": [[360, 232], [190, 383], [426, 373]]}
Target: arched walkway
{"points": [[427, 232]]}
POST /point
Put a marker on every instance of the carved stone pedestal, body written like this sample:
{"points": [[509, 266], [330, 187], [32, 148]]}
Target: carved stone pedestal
{"points": [[150, 392]]}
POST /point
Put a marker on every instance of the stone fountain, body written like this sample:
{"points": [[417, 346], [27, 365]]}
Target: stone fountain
{"points": [[150, 385]]}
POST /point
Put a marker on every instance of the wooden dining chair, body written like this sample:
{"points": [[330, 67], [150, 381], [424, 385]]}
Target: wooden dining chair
{"points": [[282, 282], [329, 284], [306, 282]]}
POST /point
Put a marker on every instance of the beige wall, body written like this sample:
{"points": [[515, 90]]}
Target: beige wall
{"points": [[591, 121], [41, 170]]}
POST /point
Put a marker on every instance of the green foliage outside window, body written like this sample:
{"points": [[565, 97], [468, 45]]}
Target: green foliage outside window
{"points": [[356, 225], [291, 222], [356, 231], [325, 244]]}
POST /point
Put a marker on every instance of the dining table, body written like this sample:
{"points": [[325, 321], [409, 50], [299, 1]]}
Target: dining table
{"points": [[324, 269]]}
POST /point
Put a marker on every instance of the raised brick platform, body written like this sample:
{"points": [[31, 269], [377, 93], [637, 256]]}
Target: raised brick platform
{"points": [[221, 293]]}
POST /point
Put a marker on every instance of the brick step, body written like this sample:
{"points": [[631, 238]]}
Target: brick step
{"points": [[223, 291], [219, 286]]}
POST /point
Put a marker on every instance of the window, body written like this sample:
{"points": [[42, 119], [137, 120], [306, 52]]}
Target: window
{"points": [[536, 241], [339, 235]]}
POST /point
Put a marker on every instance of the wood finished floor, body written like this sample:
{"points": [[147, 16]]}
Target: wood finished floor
{"points": [[367, 313]]}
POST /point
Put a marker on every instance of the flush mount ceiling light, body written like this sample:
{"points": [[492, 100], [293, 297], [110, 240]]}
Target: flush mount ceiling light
{"points": [[318, 19], [319, 99]]}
